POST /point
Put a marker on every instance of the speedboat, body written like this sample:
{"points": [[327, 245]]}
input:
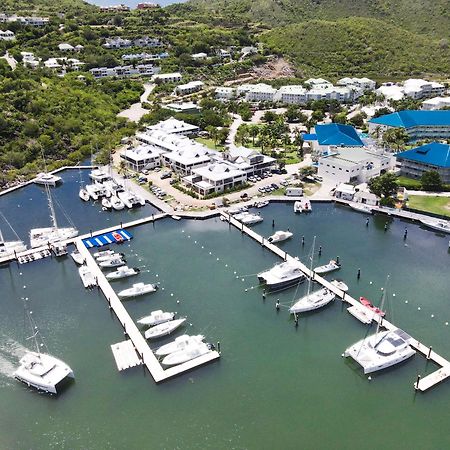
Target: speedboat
{"points": [[280, 236], [314, 300], [47, 179], [77, 257], [163, 329], [137, 290], [439, 225], [361, 207], [43, 236], [368, 304], [43, 372], [178, 344], [87, 277], [114, 261], [248, 218], [191, 351], [116, 203], [381, 350], [106, 204], [156, 317], [123, 272], [113, 186], [298, 208], [107, 254], [282, 275], [261, 204], [302, 206], [340, 285], [84, 194], [330, 267], [99, 175], [236, 210]]}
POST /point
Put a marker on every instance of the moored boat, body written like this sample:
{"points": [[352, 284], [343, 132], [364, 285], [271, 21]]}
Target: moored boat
{"points": [[156, 317], [116, 203], [279, 236], [84, 194], [178, 344], [368, 304], [77, 257], [122, 272], [163, 329], [439, 225], [282, 275], [340, 285], [248, 218], [312, 301], [115, 261], [361, 207], [326, 268], [47, 179], [137, 290], [190, 352]]}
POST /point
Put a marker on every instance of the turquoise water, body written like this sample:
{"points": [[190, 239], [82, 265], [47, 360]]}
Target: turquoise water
{"points": [[275, 386]]}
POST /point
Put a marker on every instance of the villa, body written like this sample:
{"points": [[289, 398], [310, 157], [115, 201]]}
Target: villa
{"points": [[189, 88], [7, 35], [412, 88], [366, 84], [142, 157], [167, 77], [125, 71], [249, 161], [225, 93], [175, 127], [187, 157], [436, 103]]}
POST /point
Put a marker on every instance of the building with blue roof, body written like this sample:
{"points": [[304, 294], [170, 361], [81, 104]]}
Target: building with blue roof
{"points": [[418, 124], [337, 135], [435, 156]]}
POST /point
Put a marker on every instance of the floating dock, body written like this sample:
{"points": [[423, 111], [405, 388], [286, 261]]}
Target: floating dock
{"points": [[108, 238], [125, 355], [424, 384]]}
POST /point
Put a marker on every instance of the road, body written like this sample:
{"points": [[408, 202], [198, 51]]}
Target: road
{"points": [[136, 111], [10, 60]]}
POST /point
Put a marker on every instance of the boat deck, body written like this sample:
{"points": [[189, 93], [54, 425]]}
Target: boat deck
{"points": [[125, 355], [427, 382]]}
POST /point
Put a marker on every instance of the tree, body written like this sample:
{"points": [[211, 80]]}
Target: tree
{"points": [[269, 116], [253, 131], [396, 138], [306, 172], [431, 181], [384, 186]]}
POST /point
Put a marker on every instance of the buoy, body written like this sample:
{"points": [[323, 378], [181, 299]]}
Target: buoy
{"points": [[246, 290], [195, 242], [210, 253], [162, 289], [171, 294], [406, 301], [369, 378], [342, 355], [178, 301], [226, 265], [242, 279], [217, 259], [432, 316], [446, 324], [393, 295], [418, 308], [156, 275], [370, 282], [202, 246], [235, 272]]}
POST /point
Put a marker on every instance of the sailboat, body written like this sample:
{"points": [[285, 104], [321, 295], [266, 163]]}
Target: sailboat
{"points": [[382, 349], [83, 193], [41, 370], [8, 248], [44, 236], [312, 300]]}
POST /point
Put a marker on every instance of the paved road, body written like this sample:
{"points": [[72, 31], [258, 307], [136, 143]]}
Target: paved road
{"points": [[136, 111], [10, 60]]}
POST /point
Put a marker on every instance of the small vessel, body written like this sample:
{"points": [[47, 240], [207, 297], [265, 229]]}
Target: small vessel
{"points": [[87, 277], [191, 351], [368, 304], [84, 194], [106, 204], [248, 218], [340, 285], [116, 203], [178, 344], [8, 248], [298, 208], [282, 275], [77, 257], [237, 209], [97, 191], [156, 317], [130, 199], [47, 179], [99, 175], [303, 205], [330, 267], [103, 253], [361, 207], [107, 254], [261, 204], [280, 236], [115, 261], [123, 272], [439, 225], [137, 290], [163, 329]]}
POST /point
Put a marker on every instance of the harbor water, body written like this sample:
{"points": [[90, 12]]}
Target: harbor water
{"points": [[275, 385]]}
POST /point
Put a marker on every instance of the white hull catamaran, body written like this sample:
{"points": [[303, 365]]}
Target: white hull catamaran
{"points": [[47, 179], [8, 248]]}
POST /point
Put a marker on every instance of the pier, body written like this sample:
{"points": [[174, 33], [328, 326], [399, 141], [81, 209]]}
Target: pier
{"points": [[422, 384]]}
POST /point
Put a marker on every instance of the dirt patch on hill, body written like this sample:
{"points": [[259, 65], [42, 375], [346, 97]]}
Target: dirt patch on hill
{"points": [[276, 68]]}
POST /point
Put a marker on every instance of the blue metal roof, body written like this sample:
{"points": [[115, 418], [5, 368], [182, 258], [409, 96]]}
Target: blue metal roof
{"points": [[435, 154], [339, 135], [412, 118], [107, 238], [309, 137]]}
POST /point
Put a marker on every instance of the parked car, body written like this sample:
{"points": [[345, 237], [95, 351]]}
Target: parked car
{"points": [[275, 186], [165, 175]]}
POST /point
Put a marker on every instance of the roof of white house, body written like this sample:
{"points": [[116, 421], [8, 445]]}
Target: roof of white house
{"points": [[191, 155], [292, 89], [190, 85], [65, 46], [437, 101], [392, 92], [173, 125], [199, 55], [218, 171], [142, 152], [163, 76], [316, 81], [346, 188], [261, 87]]}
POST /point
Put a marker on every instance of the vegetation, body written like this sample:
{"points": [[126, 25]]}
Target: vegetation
{"points": [[435, 205], [431, 181], [385, 187]]}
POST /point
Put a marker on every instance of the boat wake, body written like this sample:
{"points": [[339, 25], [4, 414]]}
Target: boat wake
{"points": [[10, 352]]}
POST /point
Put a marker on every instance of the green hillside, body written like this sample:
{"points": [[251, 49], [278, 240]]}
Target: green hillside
{"points": [[45, 6]]}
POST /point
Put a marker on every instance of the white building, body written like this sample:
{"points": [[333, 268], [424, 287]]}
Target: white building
{"points": [[199, 56], [64, 47], [189, 88], [260, 92], [318, 83], [249, 161], [29, 60], [187, 157], [174, 77], [125, 71], [436, 103], [412, 88], [7, 35], [174, 126], [225, 93], [366, 84], [142, 157], [182, 107]]}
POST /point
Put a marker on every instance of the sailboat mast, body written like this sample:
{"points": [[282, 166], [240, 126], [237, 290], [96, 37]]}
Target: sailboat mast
{"points": [[311, 265], [51, 207], [383, 298]]}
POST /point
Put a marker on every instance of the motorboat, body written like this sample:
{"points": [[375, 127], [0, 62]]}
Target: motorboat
{"points": [[191, 351], [113, 186], [156, 317], [137, 290], [8, 248], [237, 209], [381, 350], [77, 257], [106, 204], [116, 203], [361, 207], [107, 254], [261, 204], [368, 304], [313, 300], [99, 175], [114, 261], [103, 253], [178, 344], [280, 236], [163, 329], [303, 205], [122, 272], [298, 208], [87, 277], [439, 225], [248, 218], [340, 285], [282, 275], [84, 194], [47, 179], [326, 268]]}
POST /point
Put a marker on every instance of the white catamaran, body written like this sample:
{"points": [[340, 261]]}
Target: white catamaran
{"points": [[8, 248]]}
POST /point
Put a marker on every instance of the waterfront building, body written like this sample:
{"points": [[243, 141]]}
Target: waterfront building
{"points": [[249, 161], [435, 156], [174, 126], [142, 157], [174, 77], [418, 124], [331, 136], [292, 95], [188, 156], [189, 88], [436, 103]]}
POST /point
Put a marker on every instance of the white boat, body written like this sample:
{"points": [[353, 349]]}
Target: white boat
{"points": [[330, 267], [439, 225], [163, 329], [178, 344], [107, 254], [248, 218], [116, 203], [280, 236], [106, 204], [77, 257], [123, 272], [113, 186], [49, 235], [115, 261], [361, 207], [103, 253], [99, 175], [47, 179], [41, 370], [236, 210], [340, 285], [156, 317], [282, 275], [130, 199], [97, 190], [303, 205], [191, 351], [84, 194], [8, 248], [298, 208], [137, 290], [87, 277], [261, 204]]}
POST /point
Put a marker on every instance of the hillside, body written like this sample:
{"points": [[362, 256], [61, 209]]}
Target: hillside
{"points": [[358, 46], [45, 6]]}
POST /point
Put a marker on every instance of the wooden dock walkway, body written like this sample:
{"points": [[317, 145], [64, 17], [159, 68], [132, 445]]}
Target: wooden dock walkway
{"points": [[424, 384], [131, 330]]}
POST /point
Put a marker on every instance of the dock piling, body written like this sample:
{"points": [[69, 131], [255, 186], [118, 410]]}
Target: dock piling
{"points": [[416, 386], [429, 352], [358, 276], [277, 305], [218, 346]]}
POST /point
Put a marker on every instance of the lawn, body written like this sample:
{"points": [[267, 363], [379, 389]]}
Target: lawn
{"points": [[210, 144], [409, 183], [433, 204]]}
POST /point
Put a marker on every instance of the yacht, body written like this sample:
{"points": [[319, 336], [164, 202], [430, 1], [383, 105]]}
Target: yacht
{"points": [[439, 225], [261, 204], [84, 194], [130, 200], [298, 208], [116, 203], [97, 190], [191, 351], [330, 267], [113, 186], [361, 207], [87, 277], [137, 290], [107, 254], [156, 317], [237, 209], [280, 236], [178, 344], [282, 275], [114, 261], [99, 175], [47, 179], [248, 218], [77, 257], [8, 248], [102, 253], [106, 204], [123, 272], [163, 329], [340, 285]]}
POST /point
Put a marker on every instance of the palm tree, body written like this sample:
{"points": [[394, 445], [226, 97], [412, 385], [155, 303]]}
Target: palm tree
{"points": [[253, 132]]}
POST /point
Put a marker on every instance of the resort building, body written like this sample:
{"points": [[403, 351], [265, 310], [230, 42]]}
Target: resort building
{"points": [[115, 8], [292, 95], [7, 35], [318, 83], [168, 77], [142, 157], [259, 92], [118, 42], [436, 103], [412, 88], [28, 20], [125, 71], [64, 47], [225, 93], [249, 161], [418, 124], [187, 157], [189, 88], [183, 107], [435, 156], [144, 56], [147, 5], [174, 126], [366, 84]]}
